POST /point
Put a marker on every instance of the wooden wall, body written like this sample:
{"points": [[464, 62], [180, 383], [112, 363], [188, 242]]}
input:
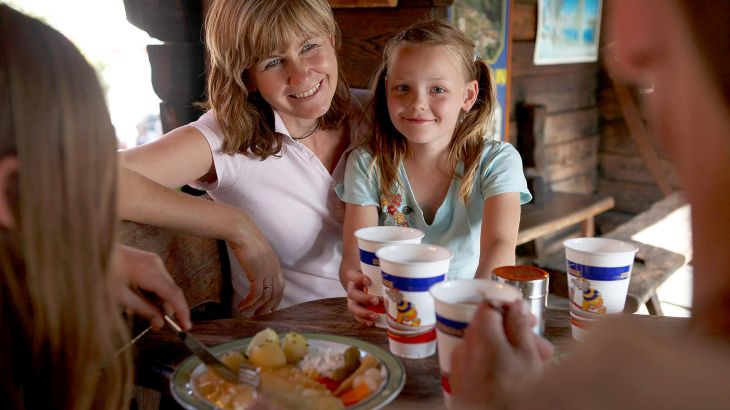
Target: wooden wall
{"points": [[365, 30], [567, 157]]}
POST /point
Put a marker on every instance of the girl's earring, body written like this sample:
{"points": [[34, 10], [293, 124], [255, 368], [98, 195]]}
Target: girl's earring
{"points": [[462, 115]]}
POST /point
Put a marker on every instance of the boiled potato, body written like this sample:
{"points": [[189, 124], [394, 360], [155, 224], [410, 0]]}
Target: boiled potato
{"points": [[234, 359], [295, 347], [267, 355], [267, 335]]}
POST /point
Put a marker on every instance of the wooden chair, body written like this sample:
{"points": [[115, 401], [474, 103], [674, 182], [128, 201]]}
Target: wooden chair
{"points": [[198, 265]]}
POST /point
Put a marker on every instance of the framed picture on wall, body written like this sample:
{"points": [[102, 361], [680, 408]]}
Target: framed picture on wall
{"points": [[487, 23], [567, 31]]}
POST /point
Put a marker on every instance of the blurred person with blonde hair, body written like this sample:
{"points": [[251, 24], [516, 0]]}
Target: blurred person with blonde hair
{"points": [[269, 152], [63, 276], [682, 48]]}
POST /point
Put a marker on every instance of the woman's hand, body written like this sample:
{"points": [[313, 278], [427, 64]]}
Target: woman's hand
{"points": [[262, 267], [134, 270], [357, 299], [499, 356]]}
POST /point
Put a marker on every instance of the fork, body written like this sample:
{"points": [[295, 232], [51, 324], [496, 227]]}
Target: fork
{"points": [[251, 376]]}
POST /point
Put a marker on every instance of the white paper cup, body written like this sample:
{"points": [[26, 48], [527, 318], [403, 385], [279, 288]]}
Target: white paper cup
{"points": [[412, 344], [599, 270], [456, 303], [580, 325], [408, 271], [369, 240]]}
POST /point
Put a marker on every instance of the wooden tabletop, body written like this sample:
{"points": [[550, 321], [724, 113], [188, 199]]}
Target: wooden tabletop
{"points": [[422, 388]]}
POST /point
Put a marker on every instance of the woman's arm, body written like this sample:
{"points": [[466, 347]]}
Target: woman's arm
{"points": [[148, 177], [500, 223], [353, 280]]}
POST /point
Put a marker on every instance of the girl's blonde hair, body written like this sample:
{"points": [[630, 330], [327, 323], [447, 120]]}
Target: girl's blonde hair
{"points": [[60, 330], [241, 33], [389, 146]]}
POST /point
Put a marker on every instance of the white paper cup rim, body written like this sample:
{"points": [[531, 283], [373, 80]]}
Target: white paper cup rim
{"points": [[405, 253], [479, 290], [600, 246], [388, 234]]}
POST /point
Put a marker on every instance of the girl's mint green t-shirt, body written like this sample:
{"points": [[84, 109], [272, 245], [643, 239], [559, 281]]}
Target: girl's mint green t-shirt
{"points": [[456, 225]]}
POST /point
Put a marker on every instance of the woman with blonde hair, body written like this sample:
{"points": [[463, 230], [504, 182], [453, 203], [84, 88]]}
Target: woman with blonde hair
{"points": [[269, 152], [62, 274]]}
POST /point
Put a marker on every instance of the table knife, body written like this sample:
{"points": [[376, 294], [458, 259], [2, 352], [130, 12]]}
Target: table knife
{"points": [[202, 352]]}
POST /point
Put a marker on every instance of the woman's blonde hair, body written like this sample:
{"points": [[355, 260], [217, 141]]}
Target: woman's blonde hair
{"points": [[388, 146], [60, 330], [241, 33]]}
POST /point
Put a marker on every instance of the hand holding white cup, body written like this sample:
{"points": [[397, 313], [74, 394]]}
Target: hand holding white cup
{"points": [[456, 303]]}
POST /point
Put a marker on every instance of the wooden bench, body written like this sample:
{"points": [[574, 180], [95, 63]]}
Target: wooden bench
{"points": [[559, 211]]}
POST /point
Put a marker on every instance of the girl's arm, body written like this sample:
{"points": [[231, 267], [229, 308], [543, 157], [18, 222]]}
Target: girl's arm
{"points": [[148, 177], [500, 223], [353, 280]]}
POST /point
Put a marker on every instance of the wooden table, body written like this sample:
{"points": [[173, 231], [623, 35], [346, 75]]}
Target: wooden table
{"points": [[422, 389]]}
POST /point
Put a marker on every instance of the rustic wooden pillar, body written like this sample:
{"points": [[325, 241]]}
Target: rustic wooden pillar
{"points": [[178, 65]]}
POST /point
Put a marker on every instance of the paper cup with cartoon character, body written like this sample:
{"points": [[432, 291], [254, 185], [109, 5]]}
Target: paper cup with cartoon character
{"points": [[369, 240], [408, 271], [456, 303], [599, 270]]}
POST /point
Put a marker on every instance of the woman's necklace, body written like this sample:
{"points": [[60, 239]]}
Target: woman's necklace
{"points": [[316, 127]]}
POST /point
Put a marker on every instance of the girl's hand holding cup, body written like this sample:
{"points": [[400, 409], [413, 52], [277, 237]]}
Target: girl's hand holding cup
{"points": [[358, 300]]}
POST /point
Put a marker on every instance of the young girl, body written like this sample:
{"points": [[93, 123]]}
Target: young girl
{"points": [[428, 165]]}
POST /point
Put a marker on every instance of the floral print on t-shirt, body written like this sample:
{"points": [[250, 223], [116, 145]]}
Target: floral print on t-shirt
{"points": [[393, 209]]}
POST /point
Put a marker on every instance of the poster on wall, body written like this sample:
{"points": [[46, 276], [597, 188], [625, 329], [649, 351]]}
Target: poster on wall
{"points": [[487, 23], [567, 31]]}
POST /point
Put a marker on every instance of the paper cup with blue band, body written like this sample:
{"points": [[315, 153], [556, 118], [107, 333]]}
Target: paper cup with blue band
{"points": [[369, 240], [599, 270], [408, 272], [456, 303]]}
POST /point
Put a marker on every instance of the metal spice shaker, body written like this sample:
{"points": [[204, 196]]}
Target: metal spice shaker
{"points": [[533, 283]]}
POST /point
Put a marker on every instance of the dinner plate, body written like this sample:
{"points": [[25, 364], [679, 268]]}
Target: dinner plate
{"points": [[395, 377]]}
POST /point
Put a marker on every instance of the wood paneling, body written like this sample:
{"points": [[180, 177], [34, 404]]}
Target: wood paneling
{"points": [[571, 125], [558, 92], [362, 44], [631, 168], [580, 184], [571, 159], [522, 57], [524, 21], [631, 197]]}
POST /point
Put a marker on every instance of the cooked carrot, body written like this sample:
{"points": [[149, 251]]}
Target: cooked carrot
{"points": [[356, 394], [366, 363]]}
